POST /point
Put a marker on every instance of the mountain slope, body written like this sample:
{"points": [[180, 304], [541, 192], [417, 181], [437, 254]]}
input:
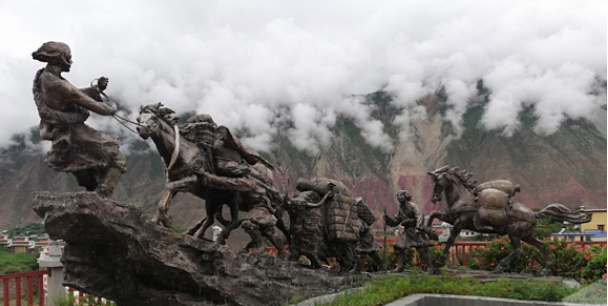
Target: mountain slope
{"points": [[568, 166]]}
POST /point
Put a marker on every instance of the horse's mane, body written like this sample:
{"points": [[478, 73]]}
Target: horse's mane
{"points": [[164, 113], [464, 177]]}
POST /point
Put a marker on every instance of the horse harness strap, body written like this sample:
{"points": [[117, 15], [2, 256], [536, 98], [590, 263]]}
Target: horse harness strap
{"points": [[493, 207], [175, 150], [466, 208]]}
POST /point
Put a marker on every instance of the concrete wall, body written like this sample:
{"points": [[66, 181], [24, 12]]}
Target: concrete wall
{"points": [[460, 300]]}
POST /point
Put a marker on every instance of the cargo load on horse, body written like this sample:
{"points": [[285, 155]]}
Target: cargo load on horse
{"points": [[343, 223], [341, 211], [493, 199]]}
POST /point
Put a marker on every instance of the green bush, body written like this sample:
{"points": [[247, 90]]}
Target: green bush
{"points": [[595, 269], [488, 257], [568, 260], [17, 263]]}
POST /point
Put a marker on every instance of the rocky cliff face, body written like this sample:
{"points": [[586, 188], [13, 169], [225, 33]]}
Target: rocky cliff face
{"points": [[567, 167]]}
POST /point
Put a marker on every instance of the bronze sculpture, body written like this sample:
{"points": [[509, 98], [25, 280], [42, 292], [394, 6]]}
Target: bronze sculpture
{"points": [[413, 235], [464, 199], [93, 158], [327, 222], [368, 246], [187, 171]]}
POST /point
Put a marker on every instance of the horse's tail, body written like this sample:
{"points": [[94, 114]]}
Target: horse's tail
{"points": [[562, 213]]}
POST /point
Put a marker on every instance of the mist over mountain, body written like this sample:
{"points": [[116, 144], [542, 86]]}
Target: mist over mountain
{"points": [[567, 166]]}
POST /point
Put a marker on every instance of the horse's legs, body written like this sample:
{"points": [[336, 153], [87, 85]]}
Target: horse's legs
{"points": [[171, 189], [278, 213], [516, 244], [234, 222], [434, 215], [453, 235], [543, 249], [346, 257], [210, 211], [162, 217], [196, 227], [220, 218]]}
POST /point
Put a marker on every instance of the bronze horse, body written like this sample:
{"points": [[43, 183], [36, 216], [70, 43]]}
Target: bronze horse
{"points": [[520, 220], [184, 164]]}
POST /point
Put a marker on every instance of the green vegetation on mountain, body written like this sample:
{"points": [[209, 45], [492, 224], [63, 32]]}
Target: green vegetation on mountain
{"points": [[31, 229]]}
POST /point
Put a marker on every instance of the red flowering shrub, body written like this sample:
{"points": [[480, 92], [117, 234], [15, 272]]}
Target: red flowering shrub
{"points": [[596, 266], [568, 259], [390, 259], [488, 257]]}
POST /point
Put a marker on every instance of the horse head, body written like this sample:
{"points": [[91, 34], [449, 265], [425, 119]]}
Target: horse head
{"points": [[445, 177], [151, 118], [439, 182]]}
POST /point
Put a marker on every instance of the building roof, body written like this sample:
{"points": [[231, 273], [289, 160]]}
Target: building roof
{"points": [[594, 210], [592, 234]]}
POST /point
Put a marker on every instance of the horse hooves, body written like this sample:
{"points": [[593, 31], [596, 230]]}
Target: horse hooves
{"points": [[158, 222], [166, 223]]}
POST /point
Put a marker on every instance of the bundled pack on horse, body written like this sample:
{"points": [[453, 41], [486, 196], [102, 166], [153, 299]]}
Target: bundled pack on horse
{"points": [[489, 208], [326, 221]]}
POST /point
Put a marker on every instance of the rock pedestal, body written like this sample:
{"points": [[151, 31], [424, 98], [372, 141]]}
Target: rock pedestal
{"points": [[113, 252]]}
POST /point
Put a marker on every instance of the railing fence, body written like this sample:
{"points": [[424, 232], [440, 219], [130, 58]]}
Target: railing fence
{"points": [[31, 278]]}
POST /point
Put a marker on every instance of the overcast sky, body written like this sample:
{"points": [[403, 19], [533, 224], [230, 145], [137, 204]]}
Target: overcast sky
{"points": [[241, 61]]}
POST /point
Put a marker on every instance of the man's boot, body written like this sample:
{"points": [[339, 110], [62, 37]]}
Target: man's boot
{"points": [[106, 188], [400, 262], [379, 264], [257, 240], [108, 182], [428, 260]]}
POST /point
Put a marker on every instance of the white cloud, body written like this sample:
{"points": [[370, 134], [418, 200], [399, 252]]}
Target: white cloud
{"points": [[240, 61]]}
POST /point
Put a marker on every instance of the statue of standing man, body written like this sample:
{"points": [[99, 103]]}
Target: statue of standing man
{"points": [[413, 235], [92, 157]]}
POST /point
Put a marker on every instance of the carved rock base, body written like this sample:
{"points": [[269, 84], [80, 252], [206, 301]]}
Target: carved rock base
{"points": [[113, 252]]}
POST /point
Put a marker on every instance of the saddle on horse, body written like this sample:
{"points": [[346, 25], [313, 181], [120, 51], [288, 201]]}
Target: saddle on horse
{"points": [[493, 200]]}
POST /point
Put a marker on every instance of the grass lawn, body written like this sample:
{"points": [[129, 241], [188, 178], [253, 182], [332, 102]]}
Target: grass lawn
{"points": [[392, 287]]}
